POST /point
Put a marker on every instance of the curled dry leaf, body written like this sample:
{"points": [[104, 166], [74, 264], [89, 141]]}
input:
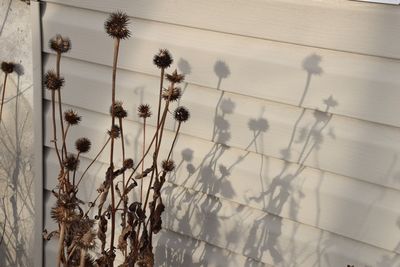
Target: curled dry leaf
{"points": [[156, 221], [47, 236], [122, 240], [144, 173]]}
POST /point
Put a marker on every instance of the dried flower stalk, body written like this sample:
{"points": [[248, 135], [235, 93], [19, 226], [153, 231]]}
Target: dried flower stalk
{"points": [[7, 68], [77, 232]]}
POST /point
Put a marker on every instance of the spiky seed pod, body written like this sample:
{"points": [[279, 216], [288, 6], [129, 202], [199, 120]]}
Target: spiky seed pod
{"points": [[181, 114], [87, 241], [80, 226], [60, 44], [52, 82], [118, 110], [83, 145], [176, 93], [117, 25], [7, 67], [128, 163], [57, 213], [72, 117], [175, 77], [168, 165], [114, 132], [144, 111], [163, 59], [71, 163]]}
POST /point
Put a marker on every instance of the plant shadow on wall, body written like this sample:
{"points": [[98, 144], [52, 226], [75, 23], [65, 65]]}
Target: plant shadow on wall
{"points": [[16, 178], [211, 178], [204, 215]]}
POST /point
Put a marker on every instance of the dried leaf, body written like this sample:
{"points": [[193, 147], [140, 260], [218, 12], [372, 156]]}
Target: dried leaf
{"points": [[101, 232], [156, 221], [122, 243], [47, 236], [144, 173]]}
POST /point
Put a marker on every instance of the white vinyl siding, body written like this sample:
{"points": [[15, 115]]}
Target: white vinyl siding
{"points": [[291, 156]]}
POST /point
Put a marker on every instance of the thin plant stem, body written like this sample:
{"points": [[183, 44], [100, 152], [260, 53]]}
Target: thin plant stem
{"points": [[114, 74], [53, 112], [71, 252], [123, 176], [5, 222], [137, 166], [159, 102], [158, 126], [93, 161], [174, 141], [73, 177], [161, 127], [64, 146], [143, 151], [3, 94], [170, 153], [155, 157], [123, 150], [60, 253], [122, 145], [82, 259]]}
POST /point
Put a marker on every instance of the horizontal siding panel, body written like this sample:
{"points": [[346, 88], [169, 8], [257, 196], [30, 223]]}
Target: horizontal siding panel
{"points": [[361, 86], [306, 195], [339, 25], [256, 234], [349, 147], [173, 249], [263, 236]]}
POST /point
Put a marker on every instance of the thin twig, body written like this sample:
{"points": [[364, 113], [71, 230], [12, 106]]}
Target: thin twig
{"points": [[114, 74], [92, 162], [64, 146], [3, 94], [5, 223], [143, 151]]}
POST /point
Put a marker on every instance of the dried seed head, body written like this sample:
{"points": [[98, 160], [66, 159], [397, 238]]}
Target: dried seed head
{"points": [[144, 111], [60, 44], [57, 213], [71, 163], [7, 67], [52, 82], [128, 163], [72, 117], [175, 77], [168, 165], [181, 114], [117, 25], [87, 241], [163, 59], [114, 132], [83, 145], [118, 110], [173, 94]]}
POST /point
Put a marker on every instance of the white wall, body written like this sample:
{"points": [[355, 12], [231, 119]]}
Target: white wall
{"points": [[16, 138], [291, 155]]}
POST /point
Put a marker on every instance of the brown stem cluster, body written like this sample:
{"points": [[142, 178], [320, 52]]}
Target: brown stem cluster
{"points": [[99, 241]]}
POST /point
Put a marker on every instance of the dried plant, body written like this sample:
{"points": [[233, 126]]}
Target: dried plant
{"points": [[7, 68], [85, 241]]}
